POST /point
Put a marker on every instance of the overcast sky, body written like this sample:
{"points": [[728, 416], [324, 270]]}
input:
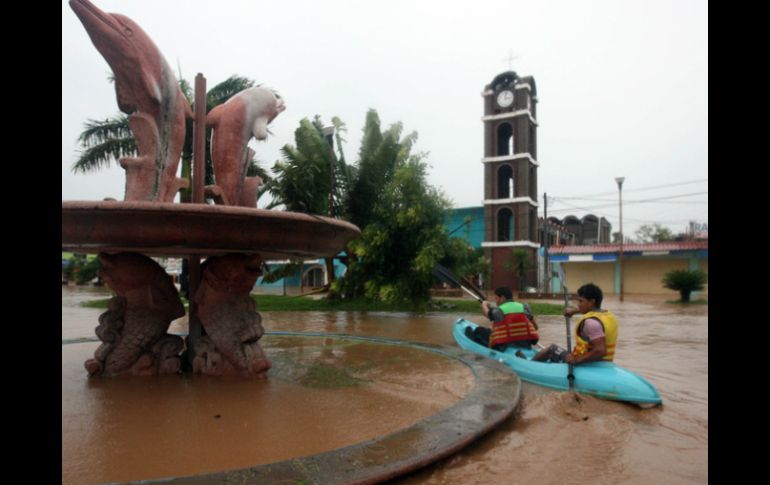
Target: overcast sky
{"points": [[622, 87]]}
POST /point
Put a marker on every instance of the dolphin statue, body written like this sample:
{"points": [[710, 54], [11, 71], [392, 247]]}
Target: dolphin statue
{"points": [[149, 93], [233, 123]]}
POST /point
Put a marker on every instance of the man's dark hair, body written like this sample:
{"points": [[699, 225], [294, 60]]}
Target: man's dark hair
{"points": [[590, 291], [505, 292]]}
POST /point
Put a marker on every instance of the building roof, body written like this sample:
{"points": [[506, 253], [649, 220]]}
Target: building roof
{"points": [[631, 248]]}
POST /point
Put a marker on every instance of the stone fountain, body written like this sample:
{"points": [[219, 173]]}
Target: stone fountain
{"points": [[224, 327], [233, 235]]}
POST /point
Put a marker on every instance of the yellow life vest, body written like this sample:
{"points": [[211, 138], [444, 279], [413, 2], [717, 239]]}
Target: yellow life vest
{"points": [[610, 324]]}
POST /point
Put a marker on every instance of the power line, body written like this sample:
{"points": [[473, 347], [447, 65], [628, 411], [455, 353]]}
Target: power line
{"points": [[632, 200], [669, 197], [608, 217], [613, 203], [641, 189]]}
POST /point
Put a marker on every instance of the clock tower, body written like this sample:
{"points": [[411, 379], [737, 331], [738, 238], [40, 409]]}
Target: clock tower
{"points": [[510, 176]]}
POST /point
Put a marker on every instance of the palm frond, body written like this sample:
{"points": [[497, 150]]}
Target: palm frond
{"points": [[226, 89], [100, 156], [255, 169], [187, 90], [339, 128], [97, 132]]}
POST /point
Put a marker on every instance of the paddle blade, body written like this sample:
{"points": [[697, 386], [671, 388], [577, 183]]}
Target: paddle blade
{"points": [[473, 287], [447, 276]]}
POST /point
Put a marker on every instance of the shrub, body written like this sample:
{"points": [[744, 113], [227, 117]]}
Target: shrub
{"points": [[685, 282]]}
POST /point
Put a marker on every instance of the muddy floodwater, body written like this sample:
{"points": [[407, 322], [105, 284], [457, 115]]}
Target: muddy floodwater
{"points": [[324, 393]]}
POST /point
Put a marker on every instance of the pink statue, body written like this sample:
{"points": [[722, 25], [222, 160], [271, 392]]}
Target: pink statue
{"points": [[148, 91], [227, 314], [244, 115], [134, 327]]}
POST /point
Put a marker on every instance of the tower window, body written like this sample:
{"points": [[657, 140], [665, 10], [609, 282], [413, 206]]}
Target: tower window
{"points": [[532, 148], [505, 182], [533, 223], [505, 139], [505, 225], [532, 182]]}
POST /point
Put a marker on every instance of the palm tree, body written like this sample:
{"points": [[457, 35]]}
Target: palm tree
{"points": [[301, 183], [380, 154], [685, 282], [302, 180], [387, 181], [519, 262]]}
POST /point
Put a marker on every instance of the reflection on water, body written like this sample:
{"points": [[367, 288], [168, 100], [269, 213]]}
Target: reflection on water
{"points": [[553, 439]]}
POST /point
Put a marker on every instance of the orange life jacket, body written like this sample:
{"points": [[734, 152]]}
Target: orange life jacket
{"points": [[514, 327]]}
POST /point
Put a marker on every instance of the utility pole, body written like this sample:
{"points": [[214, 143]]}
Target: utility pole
{"points": [[598, 230], [328, 133], [620, 180], [546, 272]]}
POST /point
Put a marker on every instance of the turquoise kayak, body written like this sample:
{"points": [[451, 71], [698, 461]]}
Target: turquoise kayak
{"points": [[601, 379]]}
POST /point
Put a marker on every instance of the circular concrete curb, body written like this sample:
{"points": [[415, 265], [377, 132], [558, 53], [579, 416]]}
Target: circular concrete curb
{"points": [[492, 399]]}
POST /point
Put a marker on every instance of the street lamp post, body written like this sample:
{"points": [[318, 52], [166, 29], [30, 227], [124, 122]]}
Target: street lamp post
{"points": [[546, 272], [328, 133], [620, 180]]}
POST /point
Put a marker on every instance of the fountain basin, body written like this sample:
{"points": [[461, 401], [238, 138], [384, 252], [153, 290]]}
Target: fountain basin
{"points": [[179, 230]]}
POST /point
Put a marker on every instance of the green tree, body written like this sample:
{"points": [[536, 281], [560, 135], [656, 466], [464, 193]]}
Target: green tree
{"points": [[400, 215], [652, 233], [404, 240], [385, 194], [464, 260], [301, 180], [302, 184], [381, 153], [82, 269], [685, 282], [519, 262]]}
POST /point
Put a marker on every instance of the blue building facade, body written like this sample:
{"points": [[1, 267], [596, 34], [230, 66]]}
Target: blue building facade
{"points": [[466, 223], [312, 275]]}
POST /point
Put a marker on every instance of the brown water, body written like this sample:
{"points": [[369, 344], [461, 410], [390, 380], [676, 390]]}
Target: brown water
{"points": [[553, 438]]}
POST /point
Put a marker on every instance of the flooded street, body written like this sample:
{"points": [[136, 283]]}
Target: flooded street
{"points": [[553, 437]]}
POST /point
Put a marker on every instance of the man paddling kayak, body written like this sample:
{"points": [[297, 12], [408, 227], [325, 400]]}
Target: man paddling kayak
{"points": [[512, 323], [595, 335]]}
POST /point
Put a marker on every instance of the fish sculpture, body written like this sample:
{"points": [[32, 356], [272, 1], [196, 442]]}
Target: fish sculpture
{"points": [[133, 329], [228, 316], [149, 93], [233, 123]]}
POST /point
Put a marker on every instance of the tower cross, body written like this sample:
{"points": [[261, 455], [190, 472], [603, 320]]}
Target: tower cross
{"points": [[510, 59]]}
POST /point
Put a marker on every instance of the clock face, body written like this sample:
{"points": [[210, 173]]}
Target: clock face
{"points": [[505, 98]]}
